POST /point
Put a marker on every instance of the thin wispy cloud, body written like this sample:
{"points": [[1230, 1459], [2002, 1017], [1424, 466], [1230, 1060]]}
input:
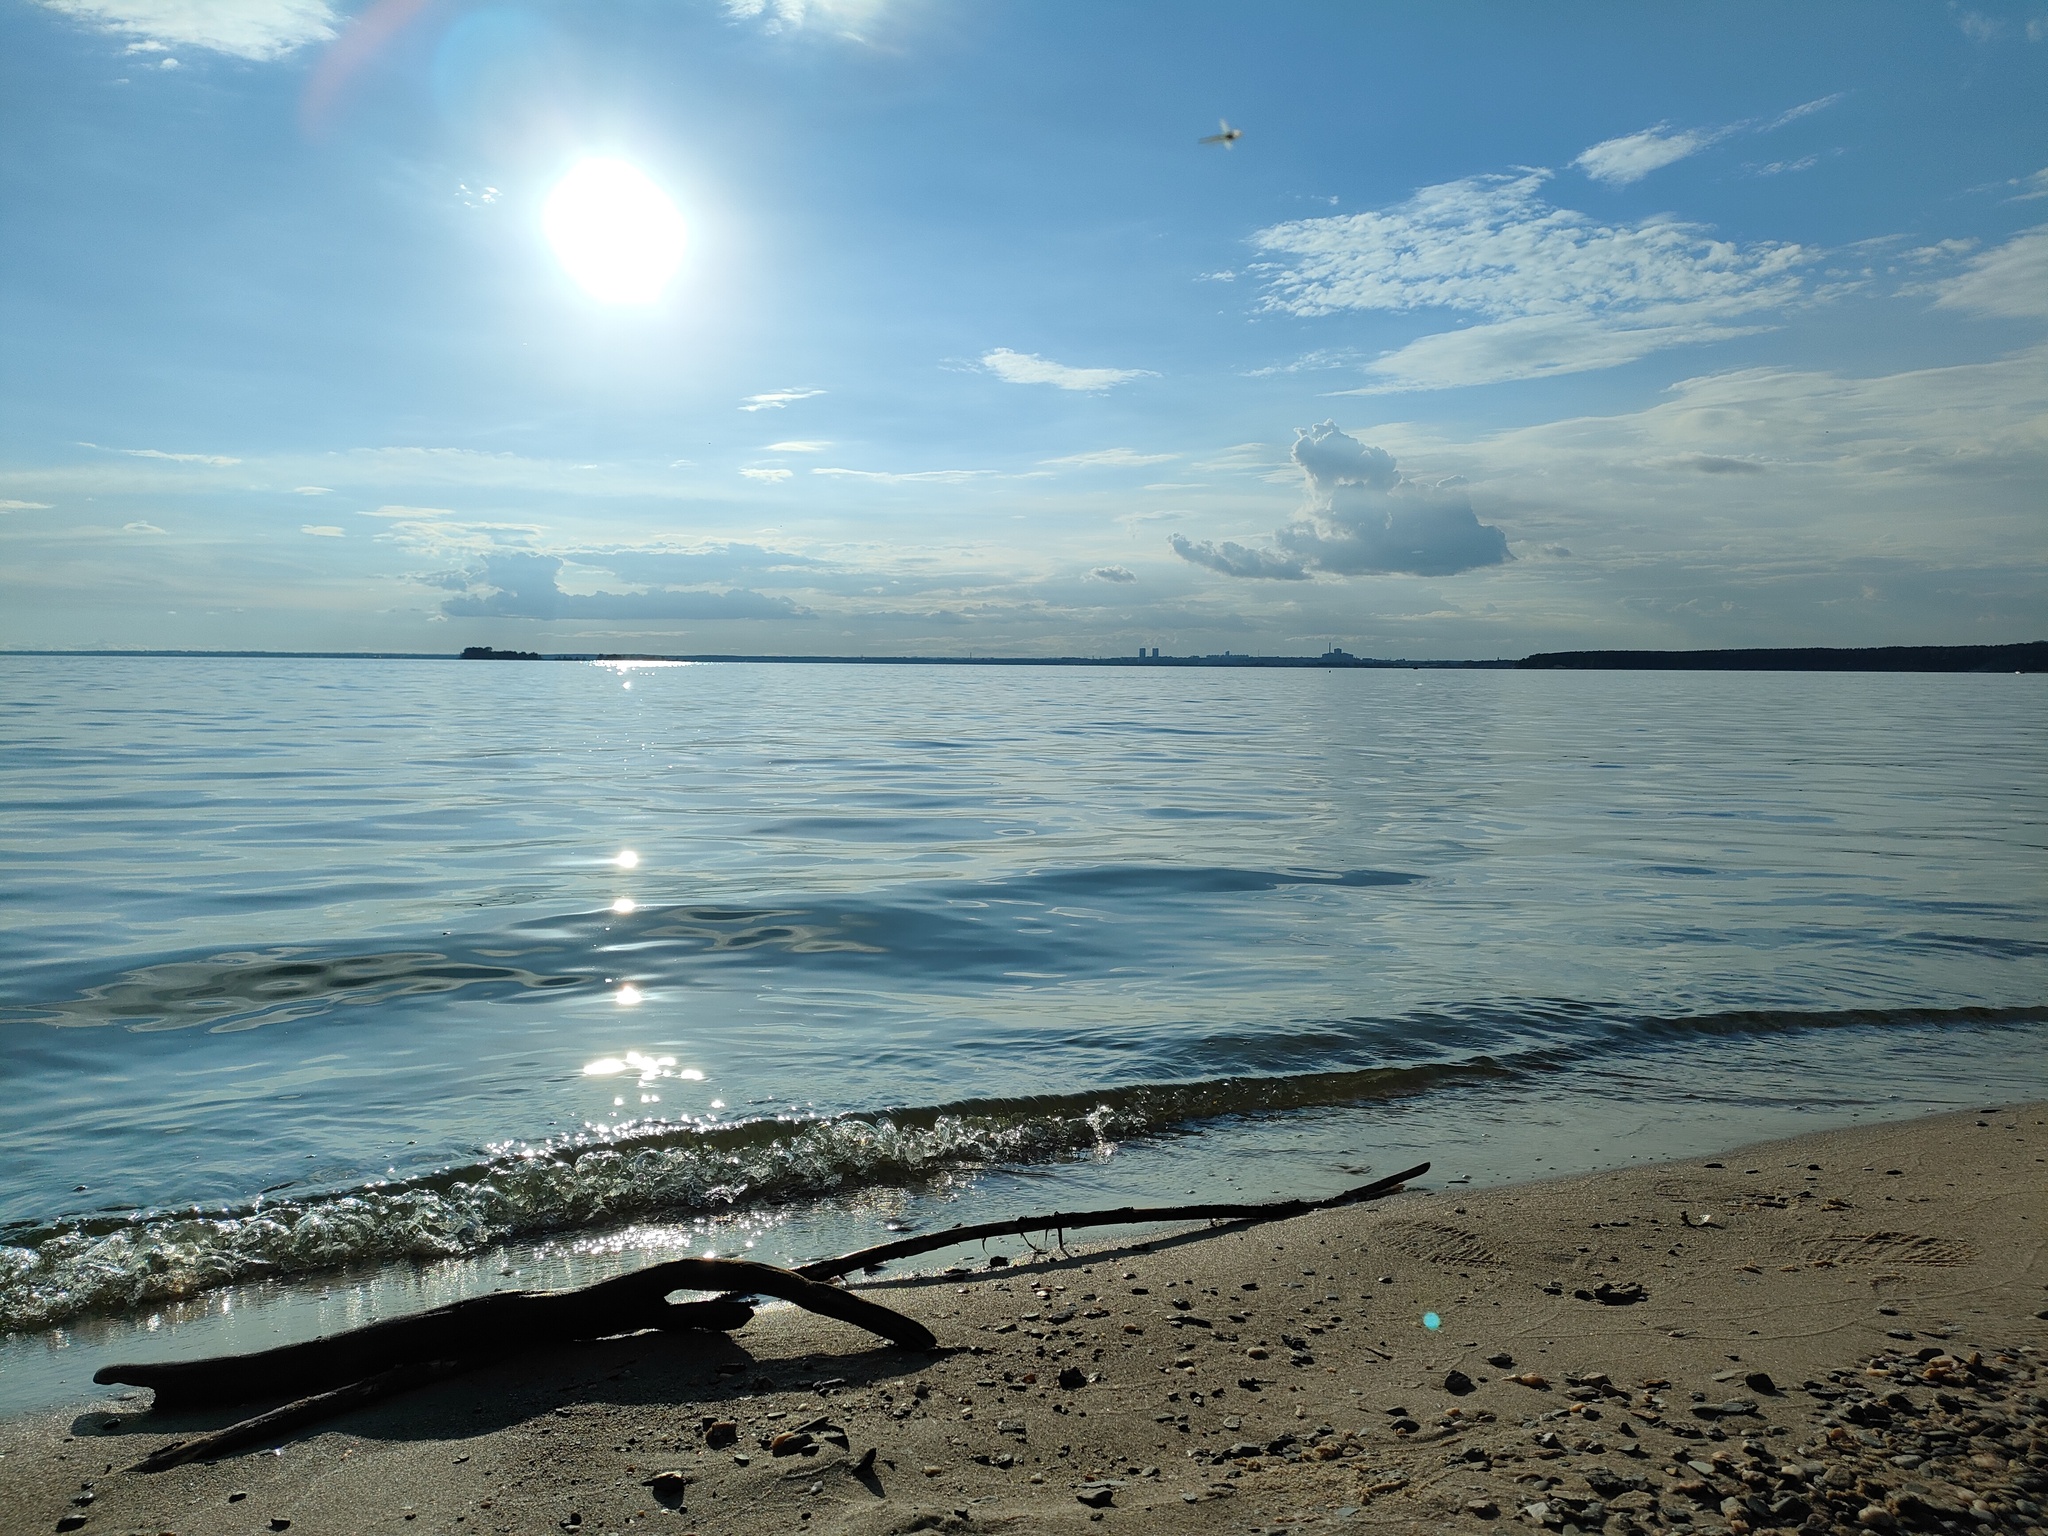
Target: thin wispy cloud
{"points": [[139, 527], [912, 477], [321, 530], [1561, 292], [1117, 574], [24, 506], [246, 29], [772, 476], [2009, 281], [218, 460], [847, 18], [1029, 368], [800, 446], [776, 399], [1111, 458], [312, 490], [1628, 159]]}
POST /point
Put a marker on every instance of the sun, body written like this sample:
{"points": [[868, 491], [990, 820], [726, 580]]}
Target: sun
{"points": [[614, 231]]}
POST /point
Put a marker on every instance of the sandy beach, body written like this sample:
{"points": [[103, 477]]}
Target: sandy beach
{"points": [[1844, 1330]]}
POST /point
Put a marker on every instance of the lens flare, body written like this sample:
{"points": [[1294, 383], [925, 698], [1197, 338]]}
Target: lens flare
{"points": [[614, 231], [1431, 1321]]}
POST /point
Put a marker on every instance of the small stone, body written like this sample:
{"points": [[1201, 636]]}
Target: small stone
{"points": [[1501, 1360], [1096, 1496], [279, 1523], [238, 1495], [1458, 1384], [1531, 1379], [1485, 1509], [722, 1432], [1072, 1378]]}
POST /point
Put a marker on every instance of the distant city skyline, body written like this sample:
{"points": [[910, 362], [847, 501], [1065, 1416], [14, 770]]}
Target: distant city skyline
{"points": [[891, 326]]}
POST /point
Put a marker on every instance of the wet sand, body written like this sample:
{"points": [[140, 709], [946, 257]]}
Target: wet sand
{"points": [[1840, 1331]]}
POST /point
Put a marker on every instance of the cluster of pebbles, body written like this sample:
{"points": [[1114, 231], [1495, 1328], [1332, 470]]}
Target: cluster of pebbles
{"points": [[1923, 1442]]}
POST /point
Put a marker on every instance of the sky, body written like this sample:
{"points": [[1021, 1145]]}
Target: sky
{"points": [[932, 327]]}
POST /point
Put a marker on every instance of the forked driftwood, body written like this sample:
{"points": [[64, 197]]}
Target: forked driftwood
{"points": [[347, 1370], [491, 1327], [1129, 1215]]}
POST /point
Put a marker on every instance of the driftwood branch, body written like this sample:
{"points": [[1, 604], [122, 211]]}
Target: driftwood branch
{"points": [[306, 1410], [1066, 1221], [324, 1377], [489, 1328]]}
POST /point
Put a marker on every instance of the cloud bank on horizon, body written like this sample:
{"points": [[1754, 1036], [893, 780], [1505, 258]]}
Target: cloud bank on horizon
{"points": [[974, 349]]}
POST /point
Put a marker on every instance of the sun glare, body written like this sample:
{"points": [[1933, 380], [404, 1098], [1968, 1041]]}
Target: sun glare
{"points": [[614, 231]]}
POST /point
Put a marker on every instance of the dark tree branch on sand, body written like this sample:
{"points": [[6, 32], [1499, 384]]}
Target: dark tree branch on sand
{"points": [[491, 1327], [324, 1377], [1129, 1215]]}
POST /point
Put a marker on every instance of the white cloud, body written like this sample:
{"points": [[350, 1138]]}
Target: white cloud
{"points": [[799, 446], [24, 506], [1804, 109], [1628, 159], [776, 399], [1029, 368], [1977, 27], [1564, 293], [246, 29], [1364, 517], [219, 461], [1115, 573], [770, 475], [2010, 280], [848, 18], [312, 490], [141, 528], [1228, 559], [321, 530], [2032, 186], [1111, 458], [934, 476], [1784, 167]]}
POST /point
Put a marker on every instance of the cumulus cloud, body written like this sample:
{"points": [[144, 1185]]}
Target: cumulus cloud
{"points": [[245, 29], [1111, 458], [1364, 517], [518, 585], [321, 530], [776, 399], [1029, 368], [2010, 280], [1628, 159], [1560, 292], [1116, 573]]}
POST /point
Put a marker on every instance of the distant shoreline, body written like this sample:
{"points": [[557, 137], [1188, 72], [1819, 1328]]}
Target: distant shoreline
{"points": [[2028, 656]]}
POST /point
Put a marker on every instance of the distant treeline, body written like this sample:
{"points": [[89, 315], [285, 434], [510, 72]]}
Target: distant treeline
{"points": [[2032, 656]]}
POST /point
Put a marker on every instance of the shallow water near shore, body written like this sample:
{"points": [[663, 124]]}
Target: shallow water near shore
{"points": [[328, 989]]}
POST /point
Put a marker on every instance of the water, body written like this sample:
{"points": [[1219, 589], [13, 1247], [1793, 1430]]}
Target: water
{"points": [[321, 998]]}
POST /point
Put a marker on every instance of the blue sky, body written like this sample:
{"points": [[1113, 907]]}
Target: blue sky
{"points": [[1502, 328]]}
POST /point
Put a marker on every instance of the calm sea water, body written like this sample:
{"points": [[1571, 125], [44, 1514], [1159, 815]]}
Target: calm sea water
{"points": [[332, 987]]}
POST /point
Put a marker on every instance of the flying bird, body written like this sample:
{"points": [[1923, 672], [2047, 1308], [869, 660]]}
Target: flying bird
{"points": [[1227, 137]]}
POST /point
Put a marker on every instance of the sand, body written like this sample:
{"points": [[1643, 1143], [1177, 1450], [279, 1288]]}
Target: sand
{"points": [[1853, 1340]]}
